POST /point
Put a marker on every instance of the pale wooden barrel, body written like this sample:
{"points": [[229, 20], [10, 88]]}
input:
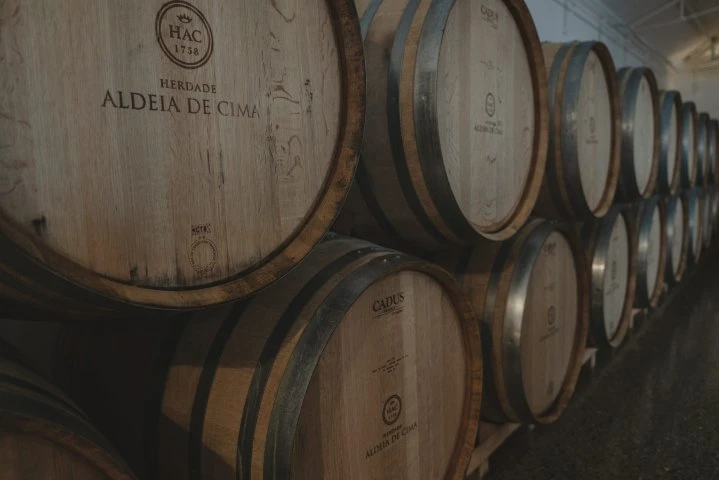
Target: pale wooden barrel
{"points": [[612, 260], [696, 233], [640, 133], [677, 228], [584, 131], [456, 138], [346, 369], [651, 252], [44, 435], [713, 150], [531, 295], [174, 154], [670, 132], [689, 156], [703, 149]]}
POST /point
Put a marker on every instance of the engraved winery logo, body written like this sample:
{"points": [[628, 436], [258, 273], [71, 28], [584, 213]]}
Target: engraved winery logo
{"points": [[184, 34], [490, 105], [490, 16], [393, 304], [392, 410]]}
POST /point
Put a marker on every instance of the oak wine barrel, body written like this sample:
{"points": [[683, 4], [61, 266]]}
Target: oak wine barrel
{"points": [[531, 295], [612, 261], [170, 156], [677, 234], [689, 156], [584, 131], [44, 435], [456, 138], [696, 224], [356, 365], [670, 132], [651, 252], [703, 149], [640, 133], [713, 150]]}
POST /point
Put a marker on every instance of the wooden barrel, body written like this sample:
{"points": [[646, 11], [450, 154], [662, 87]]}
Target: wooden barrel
{"points": [[456, 138], [348, 368], [651, 252], [44, 435], [707, 201], [188, 155], [713, 150], [696, 233], [531, 295], [677, 234], [670, 134], [584, 131], [702, 149], [612, 260], [640, 133], [689, 157]]}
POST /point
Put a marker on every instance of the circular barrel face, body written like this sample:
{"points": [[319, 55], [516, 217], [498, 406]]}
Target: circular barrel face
{"points": [[486, 110], [25, 457], [594, 118], [643, 134], [673, 143], [549, 323], [167, 144], [678, 225], [616, 276], [654, 250], [391, 381]]}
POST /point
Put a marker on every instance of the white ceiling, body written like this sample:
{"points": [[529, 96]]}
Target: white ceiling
{"points": [[685, 41]]}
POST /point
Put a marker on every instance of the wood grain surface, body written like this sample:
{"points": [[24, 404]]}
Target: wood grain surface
{"points": [[616, 279], [670, 132], [644, 119], [583, 162], [176, 154], [456, 136], [531, 294], [640, 133], [485, 111], [550, 323], [353, 366]]}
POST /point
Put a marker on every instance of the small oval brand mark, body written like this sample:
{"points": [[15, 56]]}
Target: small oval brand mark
{"points": [[184, 34], [203, 256], [490, 105], [392, 409]]}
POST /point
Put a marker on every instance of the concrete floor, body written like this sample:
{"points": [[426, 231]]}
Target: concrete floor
{"points": [[652, 412]]}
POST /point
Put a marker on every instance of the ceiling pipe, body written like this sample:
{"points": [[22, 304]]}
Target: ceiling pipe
{"points": [[682, 19], [657, 11]]}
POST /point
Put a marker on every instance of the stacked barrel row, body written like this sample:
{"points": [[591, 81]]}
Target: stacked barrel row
{"points": [[177, 201]]}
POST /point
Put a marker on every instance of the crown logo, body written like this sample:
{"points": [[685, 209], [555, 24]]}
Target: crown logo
{"points": [[184, 18]]}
